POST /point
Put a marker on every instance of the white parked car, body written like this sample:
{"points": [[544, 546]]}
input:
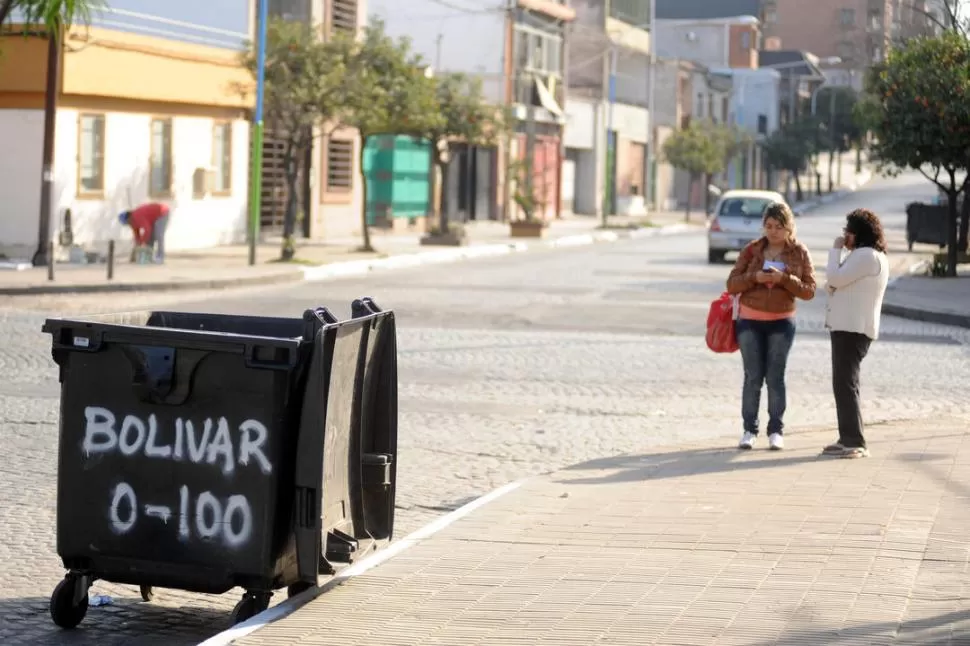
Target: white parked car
{"points": [[736, 221]]}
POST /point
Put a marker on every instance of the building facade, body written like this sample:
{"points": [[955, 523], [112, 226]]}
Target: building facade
{"points": [[754, 108], [686, 92], [147, 109], [857, 31], [517, 50], [607, 132], [727, 45], [331, 184], [154, 105]]}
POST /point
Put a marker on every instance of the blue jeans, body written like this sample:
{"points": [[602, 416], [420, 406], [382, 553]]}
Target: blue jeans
{"points": [[157, 239], [764, 352]]}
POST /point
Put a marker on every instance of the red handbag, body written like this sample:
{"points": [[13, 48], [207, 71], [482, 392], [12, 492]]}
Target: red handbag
{"points": [[721, 335]]}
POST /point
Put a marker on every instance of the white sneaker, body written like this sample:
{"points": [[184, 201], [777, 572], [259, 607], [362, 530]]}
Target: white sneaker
{"points": [[747, 441], [776, 442]]}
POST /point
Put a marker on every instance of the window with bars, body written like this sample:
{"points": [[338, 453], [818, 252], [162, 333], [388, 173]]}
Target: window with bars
{"points": [[343, 14], [160, 171], [340, 165], [222, 157], [90, 154]]}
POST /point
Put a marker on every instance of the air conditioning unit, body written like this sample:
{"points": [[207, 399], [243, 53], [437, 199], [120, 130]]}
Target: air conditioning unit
{"points": [[203, 182]]}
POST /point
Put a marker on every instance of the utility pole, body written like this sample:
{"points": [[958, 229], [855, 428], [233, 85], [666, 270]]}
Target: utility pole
{"points": [[610, 187], [832, 135], [437, 52], [256, 171], [54, 52], [791, 120], [512, 79], [650, 183]]}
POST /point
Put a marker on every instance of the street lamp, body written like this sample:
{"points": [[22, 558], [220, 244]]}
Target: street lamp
{"points": [[831, 131]]}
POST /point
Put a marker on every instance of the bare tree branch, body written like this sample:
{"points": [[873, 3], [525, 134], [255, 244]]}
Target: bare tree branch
{"points": [[951, 18], [935, 179]]}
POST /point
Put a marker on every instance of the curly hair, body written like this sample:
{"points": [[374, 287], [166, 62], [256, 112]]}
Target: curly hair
{"points": [[782, 214], [865, 226]]}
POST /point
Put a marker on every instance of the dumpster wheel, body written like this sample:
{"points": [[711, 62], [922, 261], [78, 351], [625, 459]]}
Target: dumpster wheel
{"points": [[147, 593], [64, 611], [249, 606]]}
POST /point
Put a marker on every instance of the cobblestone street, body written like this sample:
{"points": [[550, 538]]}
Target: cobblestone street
{"points": [[509, 367]]}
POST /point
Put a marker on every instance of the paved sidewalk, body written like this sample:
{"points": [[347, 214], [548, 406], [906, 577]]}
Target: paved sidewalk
{"points": [[227, 266], [931, 299], [691, 546]]}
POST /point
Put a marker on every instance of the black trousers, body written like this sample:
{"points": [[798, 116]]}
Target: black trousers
{"points": [[848, 351]]}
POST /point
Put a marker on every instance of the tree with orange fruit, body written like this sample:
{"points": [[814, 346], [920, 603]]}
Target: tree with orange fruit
{"points": [[921, 118]]}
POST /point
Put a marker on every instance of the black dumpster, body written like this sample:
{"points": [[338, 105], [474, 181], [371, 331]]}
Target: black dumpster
{"points": [[926, 224], [205, 452]]}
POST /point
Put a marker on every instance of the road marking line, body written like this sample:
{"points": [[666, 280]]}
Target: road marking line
{"points": [[290, 606]]}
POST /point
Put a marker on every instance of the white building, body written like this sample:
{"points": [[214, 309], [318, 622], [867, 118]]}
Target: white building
{"points": [[598, 178], [139, 117], [754, 107]]}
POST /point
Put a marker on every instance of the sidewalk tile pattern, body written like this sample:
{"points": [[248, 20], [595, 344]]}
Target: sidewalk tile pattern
{"points": [[688, 547]]}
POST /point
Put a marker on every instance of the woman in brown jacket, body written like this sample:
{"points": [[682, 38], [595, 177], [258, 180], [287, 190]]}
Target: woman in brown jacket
{"points": [[770, 274]]}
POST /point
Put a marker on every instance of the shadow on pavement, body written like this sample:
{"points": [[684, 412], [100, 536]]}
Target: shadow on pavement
{"points": [[948, 629], [677, 464], [124, 623], [636, 468]]}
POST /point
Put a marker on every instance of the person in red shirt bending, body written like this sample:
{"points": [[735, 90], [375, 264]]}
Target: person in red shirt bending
{"points": [[148, 223]]}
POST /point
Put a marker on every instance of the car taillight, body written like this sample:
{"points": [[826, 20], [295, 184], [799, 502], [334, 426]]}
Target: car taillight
{"points": [[715, 225]]}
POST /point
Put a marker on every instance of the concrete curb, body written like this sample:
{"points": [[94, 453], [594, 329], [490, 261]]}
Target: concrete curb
{"points": [[357, 267], [293, 604], [922, 315], [117, 288], [861, 180], [926, 316], [363, 267]]}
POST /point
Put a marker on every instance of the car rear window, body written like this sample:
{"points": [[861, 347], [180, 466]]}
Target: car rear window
{"points": [[745, 207]]}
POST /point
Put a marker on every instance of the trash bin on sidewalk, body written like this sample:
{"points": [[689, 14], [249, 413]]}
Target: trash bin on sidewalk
{"points": [[926, 224], [205, 452]]}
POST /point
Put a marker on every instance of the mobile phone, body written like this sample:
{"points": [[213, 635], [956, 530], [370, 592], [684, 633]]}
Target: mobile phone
{"points": [[771, 265]]}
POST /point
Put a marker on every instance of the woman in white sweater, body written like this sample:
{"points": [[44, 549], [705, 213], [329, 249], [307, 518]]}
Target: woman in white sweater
{"points": [[856, 286]]}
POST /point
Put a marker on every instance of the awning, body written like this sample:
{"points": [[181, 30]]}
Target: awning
{"points": [[547, 100]]}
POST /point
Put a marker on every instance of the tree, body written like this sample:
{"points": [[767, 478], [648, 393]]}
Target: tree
{"points": [[790, 147], [839, 128], [53, 14], [924, 117], [387, 92], [303, 76], [733, 140], [865, 115], [464, 116], [700, 150]]}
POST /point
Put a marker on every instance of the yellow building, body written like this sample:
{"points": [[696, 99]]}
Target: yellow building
{"points": [[152, 106]]}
